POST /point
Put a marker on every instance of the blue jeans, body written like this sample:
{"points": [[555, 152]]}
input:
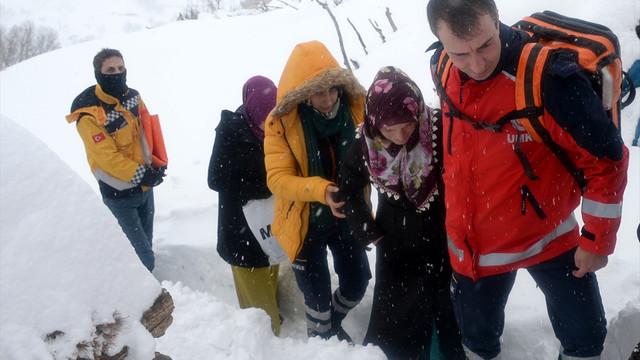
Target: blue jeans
{"points": [[325, 311], [135, 216], [574, 306]]}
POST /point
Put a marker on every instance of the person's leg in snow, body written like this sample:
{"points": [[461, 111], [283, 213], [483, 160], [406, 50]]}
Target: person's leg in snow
{"points": [[324, 310], [574, 306], [351, 264], [313, 278], [258, 288], [135, 216], [479, 308]]}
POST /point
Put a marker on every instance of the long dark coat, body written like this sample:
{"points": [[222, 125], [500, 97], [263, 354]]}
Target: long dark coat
{"points": [[412, 267], [237, 173]]}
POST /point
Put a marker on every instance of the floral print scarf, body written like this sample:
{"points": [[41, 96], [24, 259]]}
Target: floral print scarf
{"points": [[400, 170]]}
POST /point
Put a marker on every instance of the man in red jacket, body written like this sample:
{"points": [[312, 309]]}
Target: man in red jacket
{"points": [[498, 219]]}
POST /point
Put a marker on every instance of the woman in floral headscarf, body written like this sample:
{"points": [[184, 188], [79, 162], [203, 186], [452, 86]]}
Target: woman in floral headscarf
{"points": [[398, 151]]}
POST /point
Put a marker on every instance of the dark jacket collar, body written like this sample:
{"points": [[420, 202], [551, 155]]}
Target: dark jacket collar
{"points": [[233, 125]]}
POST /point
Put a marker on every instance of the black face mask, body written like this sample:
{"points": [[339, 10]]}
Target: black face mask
{"points": [[113, 84]]}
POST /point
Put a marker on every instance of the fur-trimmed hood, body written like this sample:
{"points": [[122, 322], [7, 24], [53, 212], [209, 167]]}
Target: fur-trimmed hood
{"points": [[312, 68]]}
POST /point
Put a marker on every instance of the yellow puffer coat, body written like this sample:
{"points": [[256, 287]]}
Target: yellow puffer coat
{"points": [[310, 68]]}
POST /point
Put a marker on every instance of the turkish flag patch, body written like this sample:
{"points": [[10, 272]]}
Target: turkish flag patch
{"points": [[98, 137]]}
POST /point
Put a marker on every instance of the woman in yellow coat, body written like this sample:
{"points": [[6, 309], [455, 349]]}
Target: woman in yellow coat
{"points": [[307, 133]]}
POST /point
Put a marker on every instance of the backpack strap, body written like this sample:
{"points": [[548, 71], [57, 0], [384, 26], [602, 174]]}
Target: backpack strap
{"points": [[442, 76], [528, 90], [442, 70], [529, 97]]}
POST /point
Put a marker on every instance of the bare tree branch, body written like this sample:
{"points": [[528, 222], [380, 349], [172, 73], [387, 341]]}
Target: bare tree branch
{"points": [[364, 47], [378, 30], [393, 26], [288, 4], [335, 22]]}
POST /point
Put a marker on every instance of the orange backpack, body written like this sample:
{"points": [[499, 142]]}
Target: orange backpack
{"points": [[598, 55]]}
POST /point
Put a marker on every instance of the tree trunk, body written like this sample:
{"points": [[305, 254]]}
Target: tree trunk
{"points": [[393, 26]]}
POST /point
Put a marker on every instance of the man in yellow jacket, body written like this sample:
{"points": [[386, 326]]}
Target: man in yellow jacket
{"points": [[107, 119], [307, 133]]}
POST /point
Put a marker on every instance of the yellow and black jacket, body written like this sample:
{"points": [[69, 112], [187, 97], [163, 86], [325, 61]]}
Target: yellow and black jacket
{"points": [[113, 138]]}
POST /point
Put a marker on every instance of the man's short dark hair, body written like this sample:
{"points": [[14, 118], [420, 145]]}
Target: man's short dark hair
{"points": [[461, 16], [103, 55]]}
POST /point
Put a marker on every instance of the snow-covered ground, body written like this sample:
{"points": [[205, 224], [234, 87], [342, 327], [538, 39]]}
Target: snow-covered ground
{"points": [[65, 264]]}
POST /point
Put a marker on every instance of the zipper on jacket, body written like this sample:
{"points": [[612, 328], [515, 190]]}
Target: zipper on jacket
{"points": [[528, 196], [289, 209], [284, 135], [526, 165], [334, 162], [472, 254], [449, 133]]}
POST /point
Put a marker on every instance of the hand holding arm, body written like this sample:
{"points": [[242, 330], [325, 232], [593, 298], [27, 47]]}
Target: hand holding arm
{"points": [[330, 198]]}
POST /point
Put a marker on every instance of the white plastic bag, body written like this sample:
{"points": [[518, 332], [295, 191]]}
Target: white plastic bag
{"points": [[259, 214]]}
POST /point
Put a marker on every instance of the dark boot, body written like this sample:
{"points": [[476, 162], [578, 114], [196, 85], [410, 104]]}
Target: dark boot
{"points": [[339, 332], [342, 335]]}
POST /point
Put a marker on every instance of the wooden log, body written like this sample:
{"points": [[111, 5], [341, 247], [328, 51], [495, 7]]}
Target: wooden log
{"points": [[160, 356], [158, 318]]}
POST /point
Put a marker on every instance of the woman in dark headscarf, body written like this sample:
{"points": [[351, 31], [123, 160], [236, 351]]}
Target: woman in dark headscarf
{"points": [[398, 151], [237, 173]]}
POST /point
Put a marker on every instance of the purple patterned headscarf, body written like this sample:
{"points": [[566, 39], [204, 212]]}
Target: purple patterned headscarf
{"points": [[394, 98], [258, 99]]}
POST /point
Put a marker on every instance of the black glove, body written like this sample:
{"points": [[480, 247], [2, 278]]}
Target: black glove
{"points": [[152, 177]]}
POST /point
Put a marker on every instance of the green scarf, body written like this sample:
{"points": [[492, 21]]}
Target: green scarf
{"points": [[316, 126]]}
